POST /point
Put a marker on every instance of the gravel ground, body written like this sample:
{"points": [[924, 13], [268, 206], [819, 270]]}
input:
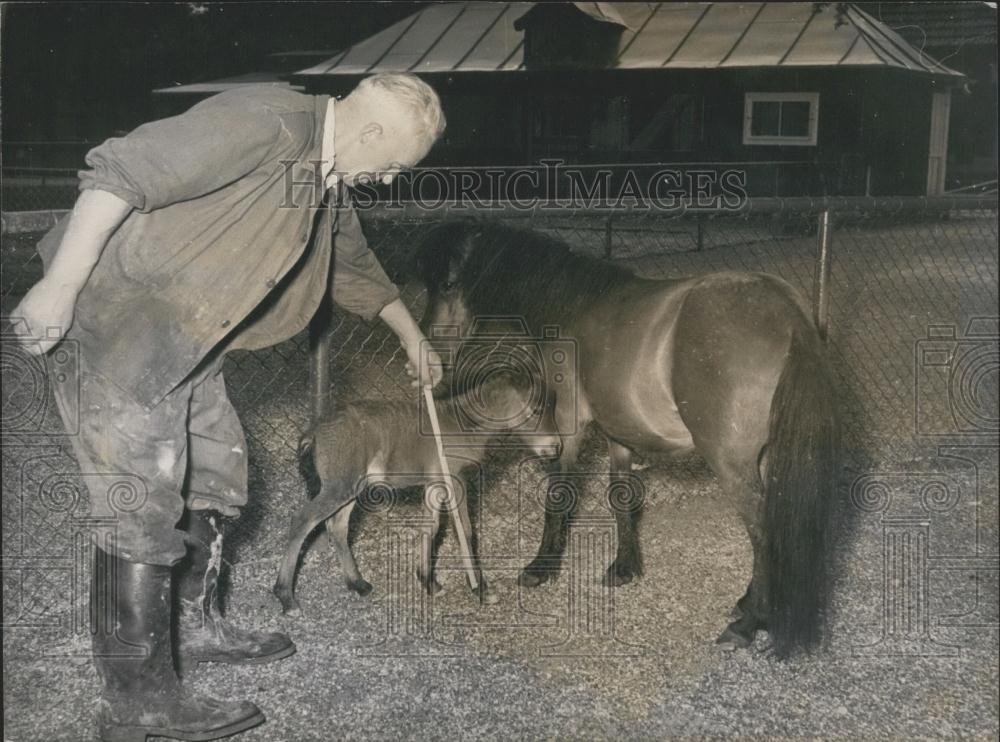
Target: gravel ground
{"points": [[911, 654]]}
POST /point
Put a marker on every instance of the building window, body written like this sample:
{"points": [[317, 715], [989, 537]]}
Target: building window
{"points": [[780, 118]]}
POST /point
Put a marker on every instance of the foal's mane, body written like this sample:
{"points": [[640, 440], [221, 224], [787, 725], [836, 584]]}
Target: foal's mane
{"points": [[515, 271]]}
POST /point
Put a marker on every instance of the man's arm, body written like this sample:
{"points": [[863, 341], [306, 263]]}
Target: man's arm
{"points": [[215, 143], [50, 302], [424, 367], [362, 287]]}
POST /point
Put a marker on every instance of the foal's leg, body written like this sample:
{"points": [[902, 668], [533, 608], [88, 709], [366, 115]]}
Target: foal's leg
{"points": [[623, 501], [337, 527], [425, 572], [304, 521], [560, 502], [466, 522]]}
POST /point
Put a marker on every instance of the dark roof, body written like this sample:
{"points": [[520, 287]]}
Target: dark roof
{"points": [[481, 36], [939, 25]]}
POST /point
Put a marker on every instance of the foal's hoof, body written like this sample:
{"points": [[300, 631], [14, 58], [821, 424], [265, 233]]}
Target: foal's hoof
{"points": [[616, 576], [361, 587], [533, 577], [732, 640], [289, 605], [430, 584], [292, 610], [484, 594]]}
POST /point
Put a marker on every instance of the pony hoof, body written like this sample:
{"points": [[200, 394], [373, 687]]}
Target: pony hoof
{"points": [[616, 577], [293, 610], [531, 578], [730, 641], [361, 587]]}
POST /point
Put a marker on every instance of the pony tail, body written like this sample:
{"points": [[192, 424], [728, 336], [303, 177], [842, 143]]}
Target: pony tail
{"points": [[799, 489]]}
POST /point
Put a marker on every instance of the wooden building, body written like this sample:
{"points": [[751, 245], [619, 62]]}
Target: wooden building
{"points": [[806, 98], [962, 35]]}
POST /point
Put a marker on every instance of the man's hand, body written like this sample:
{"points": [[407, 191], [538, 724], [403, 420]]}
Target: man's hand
{"points": [[424, 366], [46, 312]]}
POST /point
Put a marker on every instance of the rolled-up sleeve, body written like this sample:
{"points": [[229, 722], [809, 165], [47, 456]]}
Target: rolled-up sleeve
{"points": [[175, 159], [359, 285]]}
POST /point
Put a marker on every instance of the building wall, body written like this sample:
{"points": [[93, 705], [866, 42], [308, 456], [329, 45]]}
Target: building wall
{"points": [[872, 129]]}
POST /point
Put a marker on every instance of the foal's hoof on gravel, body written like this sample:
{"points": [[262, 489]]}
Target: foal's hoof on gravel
{"points": [[361, 587], [293, 610], [534, 577], [430, 584], [731, 640], [484, 594], [617, 576]]}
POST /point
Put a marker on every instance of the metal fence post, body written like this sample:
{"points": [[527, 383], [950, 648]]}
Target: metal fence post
{"points": [[319, 360], [821, 281]]}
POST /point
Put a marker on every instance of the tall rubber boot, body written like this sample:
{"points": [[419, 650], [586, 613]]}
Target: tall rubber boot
{"points": [[203, 634], [142, 694]]}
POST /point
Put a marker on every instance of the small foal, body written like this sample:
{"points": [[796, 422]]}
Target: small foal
{"points": [[369, 443]]}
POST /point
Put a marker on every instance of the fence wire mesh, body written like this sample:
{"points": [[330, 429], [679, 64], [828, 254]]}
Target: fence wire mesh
{"points": [[900, 279]]}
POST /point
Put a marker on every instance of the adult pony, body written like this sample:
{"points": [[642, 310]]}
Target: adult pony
{"points": [[729, 364]]}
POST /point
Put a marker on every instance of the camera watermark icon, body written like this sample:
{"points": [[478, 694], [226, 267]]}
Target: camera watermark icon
{"points": [[495, 345], [28, 407], [61, 516], [957, 379], [934, 523], [410, 625], [411, 621], [588, 620]]}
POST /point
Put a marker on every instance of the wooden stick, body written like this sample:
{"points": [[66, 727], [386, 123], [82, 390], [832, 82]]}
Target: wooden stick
{"points": [[463, 537]]}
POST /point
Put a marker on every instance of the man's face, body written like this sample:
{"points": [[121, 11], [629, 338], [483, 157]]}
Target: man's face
{"points": [[387, 146]]}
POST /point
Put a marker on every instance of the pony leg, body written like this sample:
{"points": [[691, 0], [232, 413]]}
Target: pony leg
{"points": [[622, 500], [337, 527], [425, 572], [304, 521], [751, 611], [560, 501]]}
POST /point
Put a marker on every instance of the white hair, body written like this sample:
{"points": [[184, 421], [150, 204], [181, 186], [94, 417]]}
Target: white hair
{"points": [[416, 95]]}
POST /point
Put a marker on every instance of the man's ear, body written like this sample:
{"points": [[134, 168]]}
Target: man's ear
{"points": [[370, 132]]}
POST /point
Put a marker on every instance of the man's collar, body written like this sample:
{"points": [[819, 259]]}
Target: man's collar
{"points": [[328, 153]]}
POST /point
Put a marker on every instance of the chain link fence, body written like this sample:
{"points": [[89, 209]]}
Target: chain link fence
{"points": [[912, 297]]}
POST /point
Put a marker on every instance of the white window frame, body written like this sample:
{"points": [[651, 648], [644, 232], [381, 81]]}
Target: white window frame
{"points": [[807, 141]]}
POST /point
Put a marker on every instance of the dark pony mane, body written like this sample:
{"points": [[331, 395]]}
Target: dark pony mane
{"points": [[514, 271]]}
